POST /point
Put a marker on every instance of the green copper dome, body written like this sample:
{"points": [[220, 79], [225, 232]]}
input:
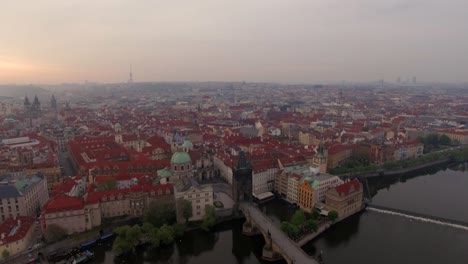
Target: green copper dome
{"points": [[187, 144], [165, 173], [181, 158], [117, 126]]}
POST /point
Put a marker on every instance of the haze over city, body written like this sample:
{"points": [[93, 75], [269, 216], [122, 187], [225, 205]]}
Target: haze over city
{"points": [[273, 41]]}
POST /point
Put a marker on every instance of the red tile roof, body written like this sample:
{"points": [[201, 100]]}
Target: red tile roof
{"points": [[63, 203], [22, 225], [348, 187], [95, 197]]}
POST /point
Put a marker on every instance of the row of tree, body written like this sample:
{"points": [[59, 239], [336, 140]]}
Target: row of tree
{"points": [[300, 222], [304, 223], [160, 226], [128, 237], [434, 141]]}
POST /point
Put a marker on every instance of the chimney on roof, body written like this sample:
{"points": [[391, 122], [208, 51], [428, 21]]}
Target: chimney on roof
{"points": [[3, 236], [19, 222]]}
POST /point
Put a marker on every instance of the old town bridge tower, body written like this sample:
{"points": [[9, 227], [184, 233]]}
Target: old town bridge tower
{"points": [[242, 180]]}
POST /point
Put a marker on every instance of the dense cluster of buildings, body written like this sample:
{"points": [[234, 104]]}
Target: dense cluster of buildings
{"points": [[100, 152]]}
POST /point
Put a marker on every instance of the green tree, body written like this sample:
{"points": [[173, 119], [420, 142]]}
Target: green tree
{"points": [[184, 208], [134, 234], [147, 230], [315, 214], [166, 234], [290, 229], [160, 214], [445, 140], [127, 238], [121, 246], [54, 233], [311, 225], [332, 216], [5, 254], [179, 230], [209, 220], [110, 184], [122, 230], [155, 240], [298, 218]]}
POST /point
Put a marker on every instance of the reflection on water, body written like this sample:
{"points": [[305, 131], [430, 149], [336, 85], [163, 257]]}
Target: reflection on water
{"points": [[373, 237], [439, 193], [337, 235], [388, 239]]}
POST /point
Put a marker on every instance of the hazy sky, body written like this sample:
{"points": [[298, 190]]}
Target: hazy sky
{"points": [[45, 41]]}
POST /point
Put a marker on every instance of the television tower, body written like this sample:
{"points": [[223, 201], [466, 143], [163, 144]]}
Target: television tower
{"points": [[130, 75]]}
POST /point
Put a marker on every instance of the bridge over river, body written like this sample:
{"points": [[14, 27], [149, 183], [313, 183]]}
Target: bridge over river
{"points": [[278, 244]]}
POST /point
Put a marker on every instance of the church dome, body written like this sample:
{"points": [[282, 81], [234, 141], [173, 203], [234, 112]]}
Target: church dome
{"points": [[187, 144], [181, 158], [117, 126]]}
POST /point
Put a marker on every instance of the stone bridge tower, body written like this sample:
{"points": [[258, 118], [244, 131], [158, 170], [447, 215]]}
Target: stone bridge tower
{"points": [[242, 180]]}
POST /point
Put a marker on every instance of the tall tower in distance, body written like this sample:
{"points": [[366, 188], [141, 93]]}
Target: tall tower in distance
{"points": [[130, 75], [53, 103]]}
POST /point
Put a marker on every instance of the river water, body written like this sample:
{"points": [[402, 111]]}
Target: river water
{"points": [[367, 238]]}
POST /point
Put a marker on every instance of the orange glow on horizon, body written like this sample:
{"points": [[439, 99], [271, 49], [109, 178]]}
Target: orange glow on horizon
{"points": [[17, 71]]}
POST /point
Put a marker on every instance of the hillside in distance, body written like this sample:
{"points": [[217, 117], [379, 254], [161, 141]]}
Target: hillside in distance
{"points": [[17, 91]]}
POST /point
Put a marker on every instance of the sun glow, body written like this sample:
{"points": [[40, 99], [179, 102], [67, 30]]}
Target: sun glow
{"points": [[16, 70]]}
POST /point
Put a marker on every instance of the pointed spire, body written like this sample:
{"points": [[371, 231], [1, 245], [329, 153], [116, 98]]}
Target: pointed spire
{"points": [[26, 101], [36, 100], [320, 152]]}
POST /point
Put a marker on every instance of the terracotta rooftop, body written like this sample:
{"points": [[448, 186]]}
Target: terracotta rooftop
{"points": [[348, 187], [14, 229]]}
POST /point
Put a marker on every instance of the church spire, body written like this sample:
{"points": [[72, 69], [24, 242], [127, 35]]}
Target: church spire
{"points": [[320, 152]]}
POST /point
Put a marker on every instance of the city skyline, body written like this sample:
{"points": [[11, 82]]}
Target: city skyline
{"points": [[255, 41]]}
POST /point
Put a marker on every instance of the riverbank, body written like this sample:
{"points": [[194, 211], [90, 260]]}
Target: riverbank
{"points": [[72, 241], [398, 171], [322, 228]]}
